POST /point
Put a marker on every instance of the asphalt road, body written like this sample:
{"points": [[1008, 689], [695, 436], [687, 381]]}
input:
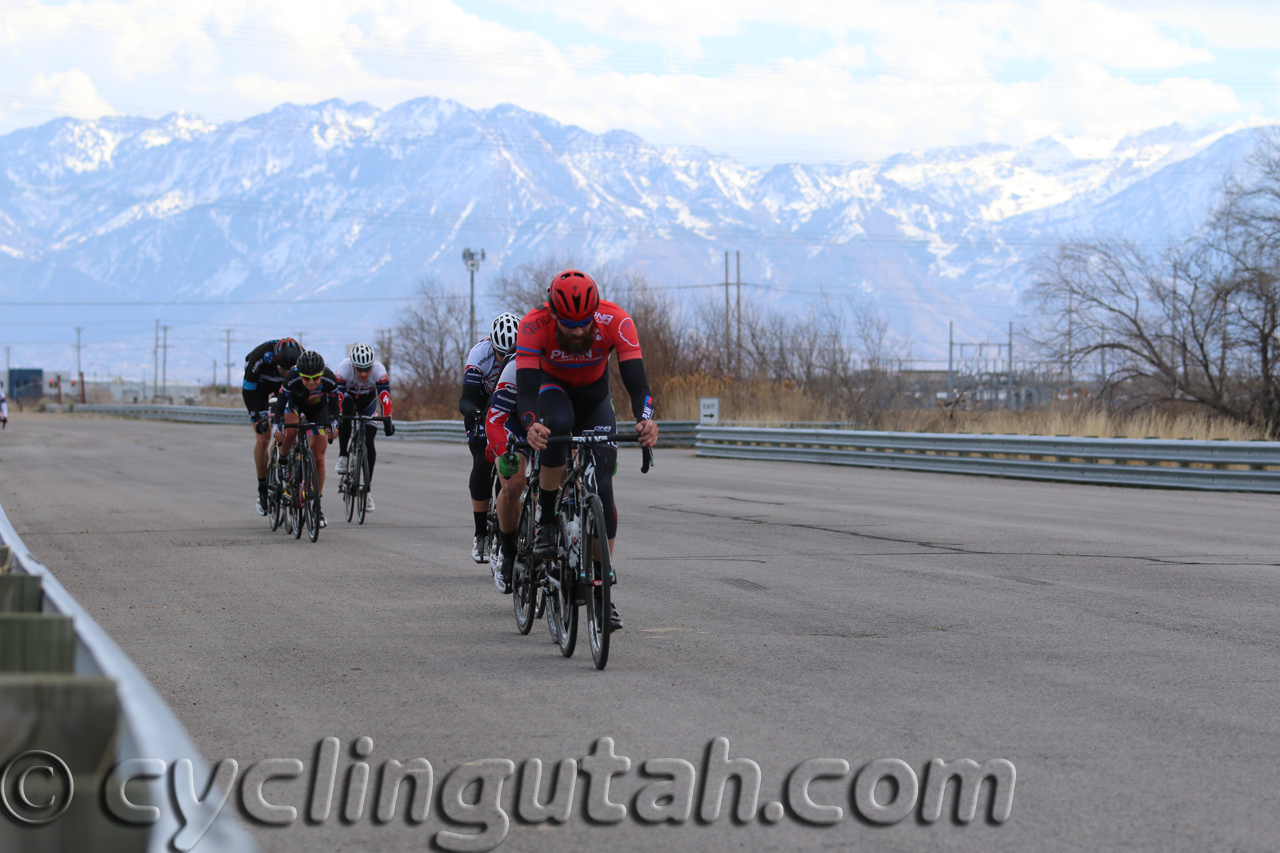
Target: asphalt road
{"points": [[1117, 646]]}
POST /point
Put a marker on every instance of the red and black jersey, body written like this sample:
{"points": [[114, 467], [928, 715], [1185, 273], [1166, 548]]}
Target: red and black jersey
{"points": [[536, 345]]}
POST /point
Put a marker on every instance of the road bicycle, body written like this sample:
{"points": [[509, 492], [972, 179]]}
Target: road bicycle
{"points": [[575, 577], [354, 484], [301, 492]]}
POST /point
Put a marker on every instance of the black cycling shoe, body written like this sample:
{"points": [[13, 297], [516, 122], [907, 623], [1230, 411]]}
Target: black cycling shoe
{"points": [[615, 621], [508, 569], [544, 545], [262, 502]]}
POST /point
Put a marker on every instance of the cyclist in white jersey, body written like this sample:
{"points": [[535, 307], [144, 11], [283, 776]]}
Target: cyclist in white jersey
{"points": [[484, 364], [4, 410], [365, 388]]}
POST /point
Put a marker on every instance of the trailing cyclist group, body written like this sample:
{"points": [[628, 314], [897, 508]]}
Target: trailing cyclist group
{"points": [[541, 429]]}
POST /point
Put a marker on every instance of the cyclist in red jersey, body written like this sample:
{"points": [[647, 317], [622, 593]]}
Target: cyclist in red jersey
{"points": [[562, 387]]}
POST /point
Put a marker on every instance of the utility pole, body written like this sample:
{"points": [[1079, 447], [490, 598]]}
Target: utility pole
{"points": [[79, 372], [1008, 394], [738, 258], [155, 374], [472, 260], [215, 373], [727, 324], [164, 376], [385, 342]]}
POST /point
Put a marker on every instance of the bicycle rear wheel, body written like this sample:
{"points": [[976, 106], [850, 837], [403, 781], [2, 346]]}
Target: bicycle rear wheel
{"points": [[493, 536], [599, 623], [311, 505]]}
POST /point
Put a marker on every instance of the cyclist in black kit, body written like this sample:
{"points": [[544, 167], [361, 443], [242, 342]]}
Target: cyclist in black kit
{"points": [[264, 370], [312, 390]]}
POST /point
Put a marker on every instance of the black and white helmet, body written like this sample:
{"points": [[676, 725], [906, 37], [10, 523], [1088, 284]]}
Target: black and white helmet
{"points": [[503, 336], [362, 356], [310, 363]]}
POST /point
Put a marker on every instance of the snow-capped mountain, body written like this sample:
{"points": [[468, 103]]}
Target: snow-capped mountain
{"points": [[347, 201]]}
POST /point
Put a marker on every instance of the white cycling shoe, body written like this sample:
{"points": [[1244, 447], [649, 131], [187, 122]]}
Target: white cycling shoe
{"points": [[500, 582], [341, 467], [368, 503]]}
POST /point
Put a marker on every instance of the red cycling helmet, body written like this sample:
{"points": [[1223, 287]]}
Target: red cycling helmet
{"points": [[574, 296]]}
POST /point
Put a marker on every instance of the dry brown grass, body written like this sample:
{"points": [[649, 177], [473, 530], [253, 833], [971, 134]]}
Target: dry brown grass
{"points": [[1075, 421], [759, 403]]}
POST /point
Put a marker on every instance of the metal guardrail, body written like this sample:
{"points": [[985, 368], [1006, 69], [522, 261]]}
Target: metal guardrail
{"points": [[1250, 466], [186, 414], [150, 728], [674, 433]]}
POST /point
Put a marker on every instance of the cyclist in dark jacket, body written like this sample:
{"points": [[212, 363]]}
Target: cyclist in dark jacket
{"points": [[310, 389], [264, 370]]}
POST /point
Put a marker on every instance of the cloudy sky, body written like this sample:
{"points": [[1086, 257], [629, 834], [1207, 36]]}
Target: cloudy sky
{"points": [[763, 80]]}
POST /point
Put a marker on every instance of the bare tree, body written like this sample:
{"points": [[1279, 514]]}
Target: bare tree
{"points": [[1192, 327], [525, 288], [431, 350]]}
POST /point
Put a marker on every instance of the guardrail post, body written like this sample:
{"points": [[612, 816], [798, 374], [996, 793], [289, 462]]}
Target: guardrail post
{"points": [[37, 642], [19, 593], [77, 718]]}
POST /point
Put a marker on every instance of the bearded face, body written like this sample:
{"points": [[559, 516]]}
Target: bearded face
{"points": [[575, 341]]}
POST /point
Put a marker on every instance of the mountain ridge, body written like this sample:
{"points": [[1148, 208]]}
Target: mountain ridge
{"points": [[309, 200]]}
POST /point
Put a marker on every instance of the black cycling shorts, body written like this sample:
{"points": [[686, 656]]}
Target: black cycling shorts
{"points": [[573, 411], [481, 481], [256, 400], [317, 414]]}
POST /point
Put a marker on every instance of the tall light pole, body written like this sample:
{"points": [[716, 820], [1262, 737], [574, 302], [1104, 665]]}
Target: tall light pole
{"points": [[164, 374], [472, 260]]}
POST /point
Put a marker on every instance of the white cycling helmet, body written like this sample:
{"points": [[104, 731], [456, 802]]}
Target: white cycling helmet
{"points": [[362, 356], [503, 336]]}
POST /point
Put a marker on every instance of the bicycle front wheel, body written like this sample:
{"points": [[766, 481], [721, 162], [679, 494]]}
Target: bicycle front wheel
{"points": [[348, 492], [565, 601], [599, 622], [524, 590], [312, 504], [296, 485], [362, 484], [274, 514]]}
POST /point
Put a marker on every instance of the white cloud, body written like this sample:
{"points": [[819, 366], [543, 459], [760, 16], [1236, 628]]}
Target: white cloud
{"points": [[890, 75], [71, 93]]}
